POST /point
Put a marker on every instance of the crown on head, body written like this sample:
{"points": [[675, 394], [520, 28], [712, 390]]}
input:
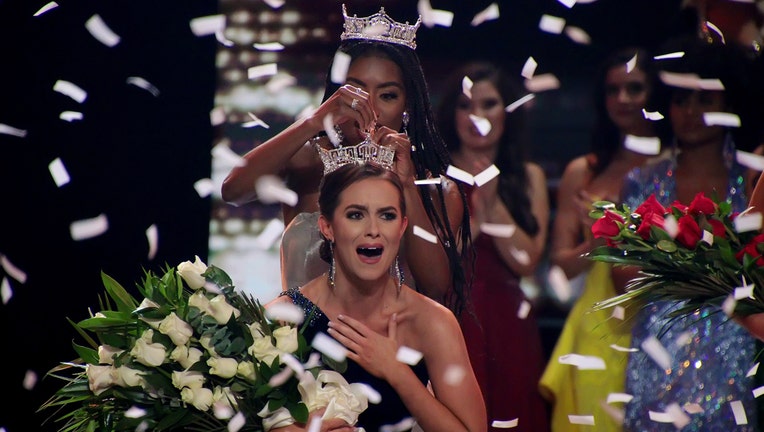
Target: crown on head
{"points": [[366, 151], [380, 27]]}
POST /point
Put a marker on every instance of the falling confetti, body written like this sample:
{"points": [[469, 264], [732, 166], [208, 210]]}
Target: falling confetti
{"points": [[70, 89], [340, 66], [142, 83], [408, 355], [99, 30], [152, 235], [58, 172], [488, 14], [207, 25], [89, 228]]}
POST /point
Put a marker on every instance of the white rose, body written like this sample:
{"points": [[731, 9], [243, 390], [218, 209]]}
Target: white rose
{"points": [[192, 272], [286, 338], [100, 378], [264, 350], [246, 370], [330, 390], [276, 419], [106, 354], [200, 301], [222, 366], [178, 330], [206, 342], [225, 396], [129, 377], [186, 356], [200, 398], [191, 379], [148, 353], [221, 310]]}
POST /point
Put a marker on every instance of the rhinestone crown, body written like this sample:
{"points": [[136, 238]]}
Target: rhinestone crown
{"points": [[366, 151], [380, 27]]}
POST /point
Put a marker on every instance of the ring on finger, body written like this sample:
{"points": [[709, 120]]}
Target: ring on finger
{"points": [[354, 105]]}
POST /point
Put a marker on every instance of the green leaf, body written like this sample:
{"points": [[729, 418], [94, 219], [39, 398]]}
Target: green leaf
{"points": [[125, 302]]}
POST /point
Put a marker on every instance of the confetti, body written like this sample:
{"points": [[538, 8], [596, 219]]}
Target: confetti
{"points": [[529, 68], [541, 83], [744, 292], [454, 375], [255, 122], [222, 411], [152, 235], [288, 312], [504, 424], [11, 270], [279, 82], [204, 187], [406, 424], [631, 64], [671, 226], [6, 291], [516, 104], [330, 347], [568, 3], [524, 309], [497, 230], [467, 86], [371, 394], [747, 222], [229, 158], [328, 123], [237, 422], [583, 362], [260, 71], [270, 234], [482, 124], [578, 35], [668, 56], [47, 7], [751, 160], [207, 25], [711, 25], [690, 81], [729, 304], [619, 312], [270, 46], [429, 181], [486, 175], [135, 412], [70, 116], [281, 377], [459, 174], [98, 28], [739, 412], [617, 414], [30, 380], [560, 284], [758, 391], [487, 14], [340, 66], [88, 228], [220, 36], [217, 116], [58, 172], [275, 4], [643, 145], [142, 83], [652, 115], [408, 355], [752, 371], [292, 362], [693, 408], [315, 424], [424, 234], [69, 89], [653, 347], [619, 397], [520, 256], [721, 119], [432, 17], [673, 414], [551, 24], [581, 419], [623, 349], [10, 130]]}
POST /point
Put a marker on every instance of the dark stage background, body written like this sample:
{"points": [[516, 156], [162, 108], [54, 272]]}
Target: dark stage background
{"points": [[135, 157]]}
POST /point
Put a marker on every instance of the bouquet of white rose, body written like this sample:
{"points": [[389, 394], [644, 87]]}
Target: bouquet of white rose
{"points": [[194, 356]]}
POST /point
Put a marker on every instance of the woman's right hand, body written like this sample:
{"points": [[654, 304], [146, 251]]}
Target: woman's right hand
{"points": [[350, 108]]}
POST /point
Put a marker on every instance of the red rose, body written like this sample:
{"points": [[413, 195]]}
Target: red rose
{"points": [[606, 226], [752, 250], [651, 205], [649, 220], [702, 205], [718, 228], [679, 206], [689, 232]]}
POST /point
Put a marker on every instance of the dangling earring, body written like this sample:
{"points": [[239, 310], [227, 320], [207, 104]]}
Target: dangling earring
{"points": [[405, 120], [331, 265], [339, 135], [397, 272]]}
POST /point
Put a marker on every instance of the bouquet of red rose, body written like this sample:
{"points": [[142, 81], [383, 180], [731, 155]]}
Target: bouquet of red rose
{"points": [[699, 254]]}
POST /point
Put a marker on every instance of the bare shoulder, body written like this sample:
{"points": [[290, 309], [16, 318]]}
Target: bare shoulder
{"points": [[535, 172], [430, 318], [576, 169]]}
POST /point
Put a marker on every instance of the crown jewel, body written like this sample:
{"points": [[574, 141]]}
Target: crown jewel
{"points": [[366, 151], [380, 27]]}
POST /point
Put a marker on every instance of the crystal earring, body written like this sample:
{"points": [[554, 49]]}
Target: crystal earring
{"points": [[331, 265], [405, 120], [397, 272]]}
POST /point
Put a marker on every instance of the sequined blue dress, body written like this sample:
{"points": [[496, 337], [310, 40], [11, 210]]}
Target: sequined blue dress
{"points": [[711, 355]]}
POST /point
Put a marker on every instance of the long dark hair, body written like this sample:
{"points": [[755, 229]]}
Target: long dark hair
{"points": [[429, 154], [511, 155]]}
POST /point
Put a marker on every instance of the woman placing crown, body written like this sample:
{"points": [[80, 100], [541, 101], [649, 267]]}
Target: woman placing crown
{"points": [[384, 100]]}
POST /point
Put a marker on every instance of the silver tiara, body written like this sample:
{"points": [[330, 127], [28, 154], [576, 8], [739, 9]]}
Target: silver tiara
{"points": [[380, 27], [366, 151]]}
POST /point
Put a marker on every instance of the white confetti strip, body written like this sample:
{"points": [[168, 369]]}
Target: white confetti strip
{"points": [[217, 116], [668, 56], [330, 347], [255, 122], [693, 408], [581, 419], [204, 187], [758, 391], [516, 104], [653, 347], [619, 397], [58, 172], [292, 362], [487, 14], [747, 222], [652, 115], [671, 226], [371, 394], [619, 312], [87, 228], [751, 160], [70, 89], [98, 28], [328, 122], [229, 158], [459, 174], [454, 375], [497, 230], [30, 380], [142, 83], [275, 4], [70, 116], [425, 235], [340, 66], [237, 422], [505, 424], [486, 175], [10, 130], [288, 312], [729, 304], [708, 237], [270, 234], [744, 292], [408, 355], [6, 291], [220, 37], [47, 7], [207, 25], [623, 349], [152, 235], [524, 309], [270, 46], [616, 413], [529, 68], [482, 124], [135, 412], [752, 371], [467, 86], [280, 378], [567, 3], [432, 17], [560, 284], [716, 30], [222, 410], [520, 256], [690, 81], [739, 412], [261, 71], [578, 35], [673, 414], [721, 119], [551, 24], [430, 181], [583, 362], [279, 82], [541, 83], [315, 424], [11, 270], [643, 145]]}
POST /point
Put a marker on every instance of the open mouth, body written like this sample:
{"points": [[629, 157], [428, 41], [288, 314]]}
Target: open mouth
{"points": [[371, 252]]}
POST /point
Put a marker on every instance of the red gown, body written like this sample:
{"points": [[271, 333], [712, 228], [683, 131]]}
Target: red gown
{"points": [[505, 351]]}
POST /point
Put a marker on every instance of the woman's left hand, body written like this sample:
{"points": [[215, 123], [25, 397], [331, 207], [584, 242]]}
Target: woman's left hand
{"points": [[403, 166], [374, 352]]}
